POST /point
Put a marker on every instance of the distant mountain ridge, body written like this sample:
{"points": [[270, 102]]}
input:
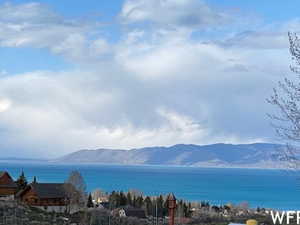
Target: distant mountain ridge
{"points": [[257, 155]]}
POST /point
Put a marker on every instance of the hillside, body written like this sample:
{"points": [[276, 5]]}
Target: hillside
{"points": [[258, 155]]}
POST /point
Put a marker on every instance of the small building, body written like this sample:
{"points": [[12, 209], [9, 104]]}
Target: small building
{"points": [[101, 199], [47, 196], [8, 187], [131, 212]]}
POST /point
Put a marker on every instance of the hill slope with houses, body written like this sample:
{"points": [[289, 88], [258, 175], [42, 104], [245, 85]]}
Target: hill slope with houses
{"points": [[257, 155]]}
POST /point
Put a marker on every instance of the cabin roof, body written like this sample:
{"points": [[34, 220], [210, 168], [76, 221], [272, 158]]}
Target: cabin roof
{"points": [[7, 184], [47, 190], [2, 173]]}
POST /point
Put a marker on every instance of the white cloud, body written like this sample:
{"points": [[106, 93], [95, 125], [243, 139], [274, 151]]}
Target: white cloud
{"points": [[182, 13], [49, 108], [53, 114], [156, 86], [4, 105], [35, 25]]}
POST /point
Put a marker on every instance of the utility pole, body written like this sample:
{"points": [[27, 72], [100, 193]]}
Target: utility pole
{"points": [[109, 213], [156, 218]]}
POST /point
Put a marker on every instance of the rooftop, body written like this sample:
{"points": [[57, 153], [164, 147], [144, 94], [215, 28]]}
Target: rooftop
{"points": [[7, 183], [48, 190]]}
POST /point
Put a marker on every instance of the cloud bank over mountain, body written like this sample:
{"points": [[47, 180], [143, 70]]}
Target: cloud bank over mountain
{"points": [[160, 73]]}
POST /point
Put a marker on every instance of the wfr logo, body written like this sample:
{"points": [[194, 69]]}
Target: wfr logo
{"points": [[285, 217]]}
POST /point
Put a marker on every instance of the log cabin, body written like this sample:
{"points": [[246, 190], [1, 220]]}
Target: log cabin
{"points": [[46, 196], [8, 187]]}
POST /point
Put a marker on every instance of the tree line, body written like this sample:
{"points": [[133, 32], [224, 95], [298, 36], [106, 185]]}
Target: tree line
{"points": [[153, 206]]}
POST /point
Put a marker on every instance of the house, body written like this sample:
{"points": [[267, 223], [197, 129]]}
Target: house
{"points": [[47, 196], [101, 199], [131, 212], [8, 187]]}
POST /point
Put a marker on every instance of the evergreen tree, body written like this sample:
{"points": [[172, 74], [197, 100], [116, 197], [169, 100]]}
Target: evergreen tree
{"points": [[189, 210], [185, 210], [129, 199], [149, 206], [118, 199], [112, 200], [160, 206], [90, 203], [139, 202], [21, 181], [166, 207], [257, 209], [134, 202], [123, 199], [180, 210]]}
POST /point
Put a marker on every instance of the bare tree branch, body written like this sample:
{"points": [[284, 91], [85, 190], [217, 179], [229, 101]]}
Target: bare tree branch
{"points": [[286, 98]]}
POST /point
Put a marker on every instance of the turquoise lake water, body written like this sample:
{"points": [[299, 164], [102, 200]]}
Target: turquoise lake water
{"points": [[277, 189]]}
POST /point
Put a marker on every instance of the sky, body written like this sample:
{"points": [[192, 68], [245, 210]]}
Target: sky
{"points": [[127, 74]]}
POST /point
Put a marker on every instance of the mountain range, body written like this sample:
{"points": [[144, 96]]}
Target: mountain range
{"points": [[257, 155]]}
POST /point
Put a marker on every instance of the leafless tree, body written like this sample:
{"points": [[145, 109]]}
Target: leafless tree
{"points": [[286, 98], [98, 193], [75, 187]]}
